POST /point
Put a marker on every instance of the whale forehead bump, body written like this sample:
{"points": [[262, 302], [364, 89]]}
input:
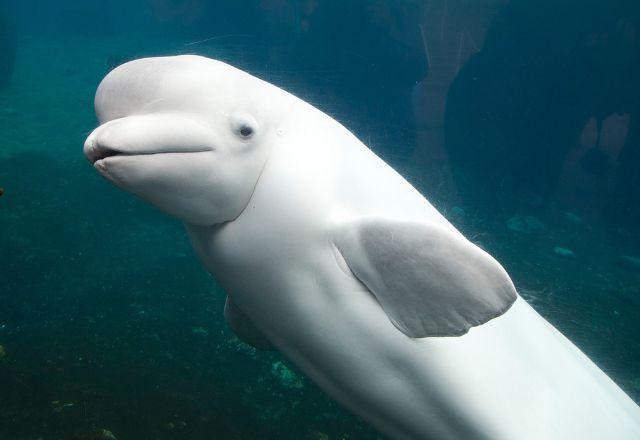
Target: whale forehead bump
{"points": [[188, 134], [189, 83]]}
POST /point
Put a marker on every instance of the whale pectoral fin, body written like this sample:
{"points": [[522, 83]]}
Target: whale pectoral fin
{"points": [[429, 279], [244, 328]]}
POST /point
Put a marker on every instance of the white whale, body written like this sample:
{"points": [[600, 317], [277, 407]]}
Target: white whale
{"points": [[330, 256]]}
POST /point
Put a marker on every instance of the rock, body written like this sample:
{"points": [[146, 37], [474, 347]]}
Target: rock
{"points": [[105, 434], [59, 405], [287, 377], [596, 162], [526, 224], [242, 347], [97, 434], [629, 262], [200, 331], [563, 252]]}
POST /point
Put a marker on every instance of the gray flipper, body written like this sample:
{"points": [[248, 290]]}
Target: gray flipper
{"points": [[244, 328], [429, 279]]}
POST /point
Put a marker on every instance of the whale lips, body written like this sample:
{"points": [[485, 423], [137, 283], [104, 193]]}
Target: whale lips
{"points": [[97, 152]]}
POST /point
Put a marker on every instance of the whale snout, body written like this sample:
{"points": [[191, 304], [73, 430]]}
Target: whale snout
{"points": [[104, 142], [148, 135], [94, 151]]}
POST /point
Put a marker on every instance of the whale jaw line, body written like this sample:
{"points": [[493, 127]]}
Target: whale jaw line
{"points": [[97, 153]]}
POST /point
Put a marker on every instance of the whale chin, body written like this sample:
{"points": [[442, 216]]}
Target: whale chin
{"points": [[130, 171], [185, 185]]}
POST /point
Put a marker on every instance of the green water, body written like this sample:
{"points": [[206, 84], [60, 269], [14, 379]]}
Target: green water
{"points": [[108, 322]]}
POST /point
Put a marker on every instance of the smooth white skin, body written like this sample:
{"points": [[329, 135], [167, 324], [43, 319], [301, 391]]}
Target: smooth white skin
{"points": [[176, 143], [262, 220]]}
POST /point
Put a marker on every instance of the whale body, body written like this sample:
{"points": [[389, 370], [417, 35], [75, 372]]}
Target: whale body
{"points": [[331, 257]]}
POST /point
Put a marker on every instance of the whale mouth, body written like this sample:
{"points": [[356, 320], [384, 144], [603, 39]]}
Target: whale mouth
{"points": [[99, 152]]}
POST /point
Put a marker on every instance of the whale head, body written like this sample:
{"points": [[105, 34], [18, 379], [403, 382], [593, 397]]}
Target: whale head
{"points": [[188, 134]]}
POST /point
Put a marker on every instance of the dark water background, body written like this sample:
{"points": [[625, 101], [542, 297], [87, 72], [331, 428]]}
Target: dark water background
{"points": [[518, 119]]}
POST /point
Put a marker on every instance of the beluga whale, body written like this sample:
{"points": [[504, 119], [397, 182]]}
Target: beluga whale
{"points": [[331, 257]]}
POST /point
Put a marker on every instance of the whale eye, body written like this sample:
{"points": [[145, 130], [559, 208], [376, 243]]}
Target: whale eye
{"points": [[244, 125], [246, 131]]}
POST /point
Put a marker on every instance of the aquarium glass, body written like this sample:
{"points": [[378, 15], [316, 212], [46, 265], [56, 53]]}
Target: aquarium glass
{"points": [[519, 120]]}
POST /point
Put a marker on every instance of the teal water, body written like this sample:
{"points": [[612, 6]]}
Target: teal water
{"points": [[107, 320]]}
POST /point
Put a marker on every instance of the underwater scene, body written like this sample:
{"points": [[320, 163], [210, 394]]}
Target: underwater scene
{"points": [[518, 120]]}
